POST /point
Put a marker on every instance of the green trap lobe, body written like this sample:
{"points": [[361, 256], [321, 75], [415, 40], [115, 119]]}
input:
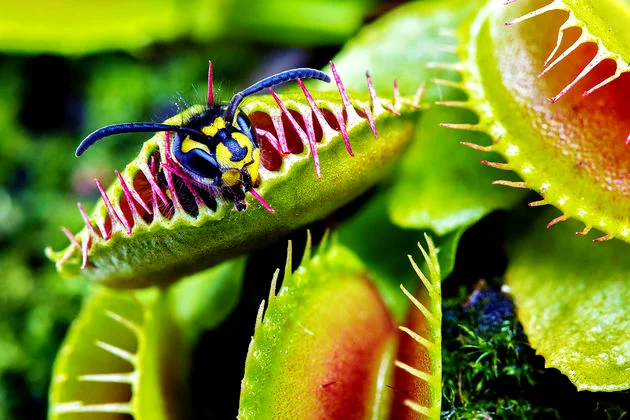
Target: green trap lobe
{"points": [[182, 235], [572, 299]]}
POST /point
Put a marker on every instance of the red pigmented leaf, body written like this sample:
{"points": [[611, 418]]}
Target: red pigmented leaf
{"points": [[325, 346]]}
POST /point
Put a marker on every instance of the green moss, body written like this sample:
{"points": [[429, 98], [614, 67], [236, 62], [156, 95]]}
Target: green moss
{"points": [[490, 370], [488, 367]]}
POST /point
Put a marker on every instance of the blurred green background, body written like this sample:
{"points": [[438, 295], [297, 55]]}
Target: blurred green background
{"points": [[69, 67]]}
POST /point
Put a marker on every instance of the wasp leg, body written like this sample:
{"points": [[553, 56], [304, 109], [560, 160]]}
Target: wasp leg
{"points": [[238, 196]]}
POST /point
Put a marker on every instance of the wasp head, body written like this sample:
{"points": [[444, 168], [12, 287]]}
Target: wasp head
{"points": [[218, 153]]}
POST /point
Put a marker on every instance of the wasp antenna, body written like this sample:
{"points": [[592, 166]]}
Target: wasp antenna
{"points": [[210, 87], [276, 79], [111, 130]]}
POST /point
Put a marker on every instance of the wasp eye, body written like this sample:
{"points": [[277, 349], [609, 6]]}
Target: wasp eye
{"points": [[196, 157], [244, 123], [202, 164], [246, 127]]}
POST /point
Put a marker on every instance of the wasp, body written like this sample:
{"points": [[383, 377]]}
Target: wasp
{"points": [[216, 149]]}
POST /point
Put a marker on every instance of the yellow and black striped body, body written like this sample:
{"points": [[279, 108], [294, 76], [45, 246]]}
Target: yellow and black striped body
{"points": [[227, 157]]}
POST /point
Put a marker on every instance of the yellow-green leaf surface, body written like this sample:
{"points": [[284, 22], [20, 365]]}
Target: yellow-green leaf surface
{"points": [[180, 237], [325, 346], [572, 299], [439, 185], [122, 356], [78, 27], [202, 301]]}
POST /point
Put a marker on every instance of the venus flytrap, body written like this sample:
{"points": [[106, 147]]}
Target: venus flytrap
{"points": [[153, 226], [553, 102], [122, 357]]}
